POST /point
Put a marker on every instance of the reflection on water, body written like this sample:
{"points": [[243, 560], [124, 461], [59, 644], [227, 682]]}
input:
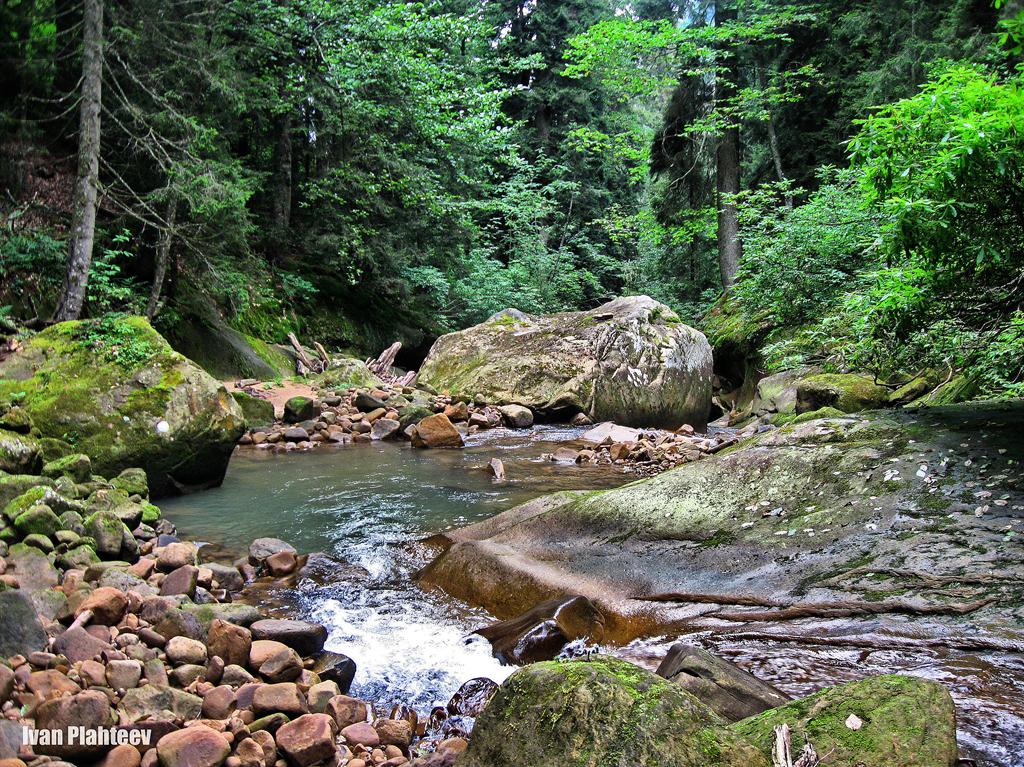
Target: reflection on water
{"points": [[367, 504]]}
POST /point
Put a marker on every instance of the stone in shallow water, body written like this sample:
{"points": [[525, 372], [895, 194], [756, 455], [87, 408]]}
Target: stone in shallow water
{"points": [[302, 636]]}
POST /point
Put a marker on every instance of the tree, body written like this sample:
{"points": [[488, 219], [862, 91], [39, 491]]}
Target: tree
{"points": [[727, 156], [83, 228]]}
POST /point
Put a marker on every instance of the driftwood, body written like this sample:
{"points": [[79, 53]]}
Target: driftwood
{"points": [[383, 364], [321, 352], [787, 611], [302, 359]]}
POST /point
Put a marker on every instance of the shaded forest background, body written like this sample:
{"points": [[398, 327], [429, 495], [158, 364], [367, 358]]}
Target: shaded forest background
{"points": [[849, 174]]}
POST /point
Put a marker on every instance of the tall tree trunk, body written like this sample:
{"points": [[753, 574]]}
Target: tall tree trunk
{"points": [[773, 142], [281, 191], [83, 228], [163, 255], [727, 169]]}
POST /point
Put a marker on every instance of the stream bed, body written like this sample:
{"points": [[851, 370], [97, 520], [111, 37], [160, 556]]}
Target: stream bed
{"points": [[368, 505]]}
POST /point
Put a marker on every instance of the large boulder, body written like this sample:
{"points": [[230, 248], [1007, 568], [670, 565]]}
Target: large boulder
{"points": [[116, 389], [630, 360], [884, 721], [601, 713], [848, 392], [831, 494]]}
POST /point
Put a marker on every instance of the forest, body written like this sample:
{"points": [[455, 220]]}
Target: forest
{"points": [[819, 182]]}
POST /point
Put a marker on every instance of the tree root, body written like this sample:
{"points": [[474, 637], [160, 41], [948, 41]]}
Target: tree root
{"points": [[962, 644], [787, 611], [927, 579]]}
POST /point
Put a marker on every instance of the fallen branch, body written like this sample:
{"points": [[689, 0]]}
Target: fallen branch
{"points": [[383, 364], [305, 364], [848, 610]]}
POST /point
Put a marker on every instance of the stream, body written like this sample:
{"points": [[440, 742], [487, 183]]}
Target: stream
{"points": [[368, 504]]}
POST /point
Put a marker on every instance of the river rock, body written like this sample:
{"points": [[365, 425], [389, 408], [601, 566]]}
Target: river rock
{"points": [[897, 721], [19, 454], [436, 431], [472, 697], [284, 697], [281, 564], [630, 360], [76, 644], [107, 605], [383, 428], [303, 637], [284, 665], [598, 712], [394, 732], [307, 740], [21, 633], [175, 555], [226, 577], [731, 692], [261, 548], [219, 703], [608, 432], [320, 694], [123, 674], [516, 416], [197, 746], [347, 710], [90, 709], [162, 703], [541, 632], [180, 581], [335, 667], [230, 642], [299, 409], [183, 429], [361, 734], [181, 650]]}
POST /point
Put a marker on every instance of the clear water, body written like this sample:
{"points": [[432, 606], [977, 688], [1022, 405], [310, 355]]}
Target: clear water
{"points": [[368, 504]]}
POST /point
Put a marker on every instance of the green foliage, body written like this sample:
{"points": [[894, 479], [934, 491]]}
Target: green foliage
{"points": [[947, 166], [31, 270], [116, 338], [798, 262], [109, 289]]}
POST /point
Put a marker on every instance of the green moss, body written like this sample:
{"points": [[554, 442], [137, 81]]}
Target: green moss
{"points": [[813, 415]]}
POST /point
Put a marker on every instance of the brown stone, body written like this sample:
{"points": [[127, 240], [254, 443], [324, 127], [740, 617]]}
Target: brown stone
{"points": [[107, 605], [302, 636], [283, 666], [280, 564], [175, 555], [183, 580], [250, 754], [181, 649], [197, 746], [307, 740], [51, 683], [232, 643], [284, 697], [394, 732], [436, 431], [361, 734], [219, 703], [89, 709], [123, 756], [263, 650], [346, 710]]}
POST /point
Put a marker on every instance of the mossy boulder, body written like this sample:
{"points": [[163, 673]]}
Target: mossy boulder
{"points": [[813, 415], [79, 558], [299, 409], [13, 485], [17, 420], [38, 519], [77, 466], [884, 721], [413, 414], [132, 482], [19, 454], [257, 411], [848, 392], [347, 373], [601, 713], [630, 360], [777, 393], [107, 530], [116, 390]]}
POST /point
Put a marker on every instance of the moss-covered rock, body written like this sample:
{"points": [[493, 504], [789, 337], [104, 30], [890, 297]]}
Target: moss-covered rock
{"points": [[257, 411], [17, 420], [601, 713], [813, 415], [107, 530], [115, 389], [777, 393], [77, 466], [347, 373], [19, 454], [631, 361], [299, 409], [898, 721], [848, 392], [13, 485], [38, 519], [132, 482], [413, 414], [79, 558]]}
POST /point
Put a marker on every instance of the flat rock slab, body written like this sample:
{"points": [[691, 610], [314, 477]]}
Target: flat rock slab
{"points": [[303, 637]]}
